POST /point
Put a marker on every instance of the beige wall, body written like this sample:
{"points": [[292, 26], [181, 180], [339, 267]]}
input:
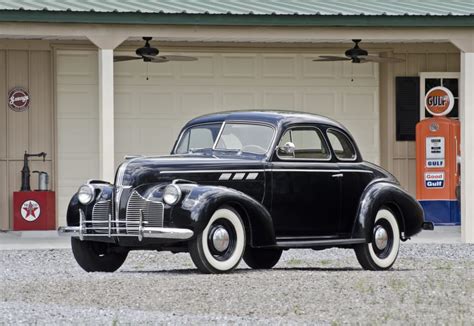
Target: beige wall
{"points": [[19, 131], [399, 156]]}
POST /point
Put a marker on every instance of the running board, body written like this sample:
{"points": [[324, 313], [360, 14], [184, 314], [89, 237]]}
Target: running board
{"points": [[318, 243]]}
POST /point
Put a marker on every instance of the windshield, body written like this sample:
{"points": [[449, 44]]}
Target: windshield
{"points": [[240, 137]]}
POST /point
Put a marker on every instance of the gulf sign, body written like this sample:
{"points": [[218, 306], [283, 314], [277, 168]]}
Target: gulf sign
{"points": [[434, 180], [439, 101]]}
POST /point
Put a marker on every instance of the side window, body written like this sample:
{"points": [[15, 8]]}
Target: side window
{"points": [[341, 145], [309, 144]]}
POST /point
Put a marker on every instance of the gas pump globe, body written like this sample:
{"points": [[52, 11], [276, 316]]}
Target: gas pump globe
{"points": [[437, 160]]}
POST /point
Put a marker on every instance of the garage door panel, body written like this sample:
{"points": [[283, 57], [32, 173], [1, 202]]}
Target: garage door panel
{"points": [[127, 135], [239, 100], [78, 135], [365, 70], [360, 104], [279, 66], [278, 100], [124, 102], [239, 66], [204, 69], [319, 70], [157, 137], [76, 67], [157, 104], [197, 103], [324, 102], [77, 101]]}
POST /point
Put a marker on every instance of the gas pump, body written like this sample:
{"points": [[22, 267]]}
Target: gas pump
{"points": [[438, 160]]}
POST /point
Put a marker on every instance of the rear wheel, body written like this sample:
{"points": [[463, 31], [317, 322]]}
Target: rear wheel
{"points": [[259, 258], [220, 246], [95, 256], [382, 251]]}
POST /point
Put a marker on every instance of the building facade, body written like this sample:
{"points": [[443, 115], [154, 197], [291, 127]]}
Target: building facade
{"points": [[87, 112]]}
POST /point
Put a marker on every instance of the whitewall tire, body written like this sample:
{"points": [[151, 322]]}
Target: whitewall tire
{"points": [[220, 246], [382, 251]]}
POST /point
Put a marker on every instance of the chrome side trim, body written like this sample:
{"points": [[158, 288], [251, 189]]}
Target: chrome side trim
{"points": [[238, 176], [251, 176], [261, 170], [225, 176], [211, 171]]}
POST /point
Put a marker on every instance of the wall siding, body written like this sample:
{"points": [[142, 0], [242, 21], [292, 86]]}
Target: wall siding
{"points": [[19, 131]]}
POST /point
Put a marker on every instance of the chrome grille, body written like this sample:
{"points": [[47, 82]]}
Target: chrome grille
{"points": [[152, 213], [100, 213]]}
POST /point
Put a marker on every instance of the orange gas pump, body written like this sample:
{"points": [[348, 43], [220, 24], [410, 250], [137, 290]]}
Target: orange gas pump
{"points": [[437, 160]]}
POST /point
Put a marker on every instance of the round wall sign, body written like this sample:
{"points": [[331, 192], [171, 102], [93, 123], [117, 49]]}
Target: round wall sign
{"points": [[439, 101], [18, 99], [30, 210]]}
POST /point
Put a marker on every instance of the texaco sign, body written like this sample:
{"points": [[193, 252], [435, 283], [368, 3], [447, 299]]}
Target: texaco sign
{"points": [[18, 99], [30, 210]]}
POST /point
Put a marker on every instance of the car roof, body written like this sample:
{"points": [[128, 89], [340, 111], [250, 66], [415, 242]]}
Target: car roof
{"points": [[273, 117]]}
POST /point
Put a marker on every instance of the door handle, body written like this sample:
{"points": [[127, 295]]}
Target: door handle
{"points": [[338, 175]]}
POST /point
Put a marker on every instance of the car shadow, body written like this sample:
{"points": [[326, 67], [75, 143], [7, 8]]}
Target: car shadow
{"points": [[190, 271]]}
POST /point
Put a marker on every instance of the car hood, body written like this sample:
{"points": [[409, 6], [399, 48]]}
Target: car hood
{"points": [[143, 170]]}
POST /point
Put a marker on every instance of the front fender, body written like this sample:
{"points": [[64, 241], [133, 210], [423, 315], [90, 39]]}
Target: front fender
{"points": [[201, 202], [103, 191], [407, 209]]}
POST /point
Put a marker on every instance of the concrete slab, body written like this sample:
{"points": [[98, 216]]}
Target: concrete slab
{"points": [[440, 234], [28, 240]]}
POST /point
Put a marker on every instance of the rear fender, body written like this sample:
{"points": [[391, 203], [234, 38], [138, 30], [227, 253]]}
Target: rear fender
{"points": [[407, 210]]}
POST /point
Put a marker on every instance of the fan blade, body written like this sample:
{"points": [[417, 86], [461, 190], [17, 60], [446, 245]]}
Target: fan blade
{"points": [[373, 58], [331, 58], [119, 58], [178, 58], [150, 58]]}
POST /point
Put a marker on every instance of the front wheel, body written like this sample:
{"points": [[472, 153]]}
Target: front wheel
{"points": [[220, 246], [95, 256], [382, 251]]}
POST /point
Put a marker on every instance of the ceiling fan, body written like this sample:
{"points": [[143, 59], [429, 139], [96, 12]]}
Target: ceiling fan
{"points": [[358, 55], [150, 54]]}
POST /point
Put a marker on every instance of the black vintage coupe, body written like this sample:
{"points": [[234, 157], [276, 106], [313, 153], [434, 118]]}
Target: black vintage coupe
{"points": [[245, 185]]}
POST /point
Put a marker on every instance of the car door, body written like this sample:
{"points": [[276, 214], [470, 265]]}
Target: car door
{"points": [[305, 185], [355, 177]]}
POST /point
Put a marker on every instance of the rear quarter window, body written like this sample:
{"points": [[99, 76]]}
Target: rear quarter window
{"points": [[341, 145]]}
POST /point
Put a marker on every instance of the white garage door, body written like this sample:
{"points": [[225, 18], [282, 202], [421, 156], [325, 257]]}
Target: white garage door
{"points": [[150, 113]]}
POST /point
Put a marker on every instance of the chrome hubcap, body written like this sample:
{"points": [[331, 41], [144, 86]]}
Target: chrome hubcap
{"points": [[381, 237], [220, 239]]}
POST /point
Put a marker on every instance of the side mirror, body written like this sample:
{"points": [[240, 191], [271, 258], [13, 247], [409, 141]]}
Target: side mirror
{"points": [[287, 149]]}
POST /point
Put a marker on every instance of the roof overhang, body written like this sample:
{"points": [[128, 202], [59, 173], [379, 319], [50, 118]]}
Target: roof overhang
{"points": [[138, 18]]}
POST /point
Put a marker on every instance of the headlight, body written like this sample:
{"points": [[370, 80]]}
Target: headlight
{"points": [[172, 194], [85, 194]]}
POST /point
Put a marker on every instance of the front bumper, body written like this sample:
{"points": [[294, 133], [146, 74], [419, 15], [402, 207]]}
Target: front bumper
{"points": [[118, 229]]}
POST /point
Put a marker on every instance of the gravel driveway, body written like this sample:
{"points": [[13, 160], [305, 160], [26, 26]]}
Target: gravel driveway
{"points": [[429, 284]]}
